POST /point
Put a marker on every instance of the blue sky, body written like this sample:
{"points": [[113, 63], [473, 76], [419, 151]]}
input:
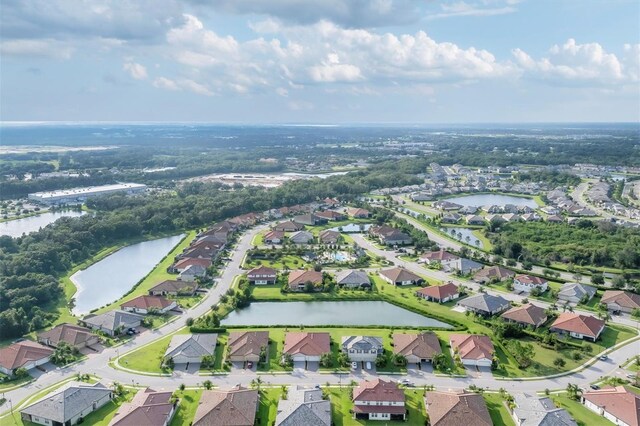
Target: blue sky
{"points": [[332, 61]]}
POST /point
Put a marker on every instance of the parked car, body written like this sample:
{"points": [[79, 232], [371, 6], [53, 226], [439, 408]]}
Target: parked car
{"points": [[368, 365], [594, 387], [354, 365], [249, 365], [604, 358]]}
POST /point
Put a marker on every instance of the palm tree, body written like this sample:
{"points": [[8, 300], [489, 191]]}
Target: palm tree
{"points": [[256, 383]]}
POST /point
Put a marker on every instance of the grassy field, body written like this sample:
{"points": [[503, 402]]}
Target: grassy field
{"points": [[149, 358], [188, 405], [268, 408], [581, 414], [156, 276], [498, 411], [285, 262]]}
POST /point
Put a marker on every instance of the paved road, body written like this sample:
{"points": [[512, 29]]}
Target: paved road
{"points": [[98, 363], [578, 195]]}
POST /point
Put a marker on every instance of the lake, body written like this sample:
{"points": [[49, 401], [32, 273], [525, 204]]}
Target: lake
{"points": [[352, 228], [109, 279], [15, 228], [462, 234], [479, 200], [328, 313]]}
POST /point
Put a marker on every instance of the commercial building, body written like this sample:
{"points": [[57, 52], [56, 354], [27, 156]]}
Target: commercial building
{"points": [[80, 195]]}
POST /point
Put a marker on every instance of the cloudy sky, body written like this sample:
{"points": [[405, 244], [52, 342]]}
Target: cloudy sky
{"points": [[328, 61]]}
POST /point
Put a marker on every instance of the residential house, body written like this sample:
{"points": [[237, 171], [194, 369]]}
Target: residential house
{"points": [[473, 349], [273, 237], [73, 335], [475, 220], [288, 226], [233, 407], [390, 236], [447, 408], [446, 205], [439, 293], [310, 219], [190, 348], [25, 354], [330, 202], [262, 275], [186, 262], [379, 400], [304, 407], [621, 301], [362, 348], [400, 276], [149, 304], [485, 304], [617, 404], [492, 274], [576, 292], [527, 283], [191, 272], [245, 346], [328, 236], [351, 278], [301, 237], [534, 410], [451, 218], [331, 215], [417, 348], [579, 326], [554, 219], [469, 210], [306, 347], [147, 407], [174, 288], [112, 323], [462, 265], [67, 406], [437, 257], [358, 213], [300, 279], [526, 315]]}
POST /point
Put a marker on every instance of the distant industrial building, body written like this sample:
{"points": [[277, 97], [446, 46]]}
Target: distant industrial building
{"points": [[80, 195]]}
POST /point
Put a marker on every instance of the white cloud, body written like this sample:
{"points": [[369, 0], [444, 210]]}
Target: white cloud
{"points": [[165, 83], [579, 64], [331, 70], [481, 8], [135, 70]]}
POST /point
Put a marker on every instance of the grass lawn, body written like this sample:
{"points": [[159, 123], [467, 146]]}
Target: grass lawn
{"points": [[582, 415], [14, 383], [272, 293], [268, 408], [187, 409], [284, 262], [341, 404], [149, 358], [156, 276], [498, 411]]}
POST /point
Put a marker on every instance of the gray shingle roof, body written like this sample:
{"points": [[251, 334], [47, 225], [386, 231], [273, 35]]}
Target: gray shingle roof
{"points": [[67, 403], [351, 276], [112, 320], [304, 407], [535, 411], [363, 343], [192, 345], [485, 302]]}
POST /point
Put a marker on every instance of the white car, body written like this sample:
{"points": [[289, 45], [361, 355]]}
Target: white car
{"points": [[354, 365], [368, 365]]}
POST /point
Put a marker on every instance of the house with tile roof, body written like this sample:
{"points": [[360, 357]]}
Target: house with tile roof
{"points": [[352, 278], [359, 213], [233, 407], [533, 410], [526, 283], [73, 335], [304, 407], [273, 237], [145, 304], [112, 322], [617, 404], [174, 288], [288, 226], [306, 347], [485, 304], [299, 279], [147, 407], [439, 293], [578, 326], [446, 408], [362, 348], [492, 274], [262, 275], [244, 346], [473, 349], [621, 301], [417, 348], [25, 354], [379, 400], [437, 256], [526, 315], [190, 348], [331, 215], [68, 405], [328, 236], [400, 276]]}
